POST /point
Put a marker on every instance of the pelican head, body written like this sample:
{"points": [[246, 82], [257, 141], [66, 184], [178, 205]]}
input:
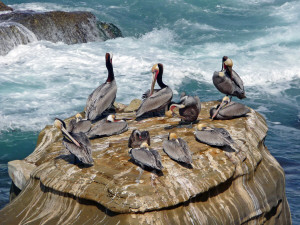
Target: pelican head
{"points": [[59, 124], [201, 126], [144, 145], [108, 57], [111, 118], [227, 64], [224, 102], [226, 99], [172, 136], [78, 117], [137, 134], [155, 71]]}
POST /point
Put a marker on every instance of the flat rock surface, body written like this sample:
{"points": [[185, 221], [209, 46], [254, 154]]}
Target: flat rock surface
{"points": [[219, 182]]}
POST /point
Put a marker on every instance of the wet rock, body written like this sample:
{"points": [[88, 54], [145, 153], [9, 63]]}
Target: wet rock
{"points": [[133, 106], [4, 7], [247, 187], [22, 27]]}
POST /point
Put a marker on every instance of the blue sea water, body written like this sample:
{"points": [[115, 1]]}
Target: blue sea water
{"points": [[44, 80]]}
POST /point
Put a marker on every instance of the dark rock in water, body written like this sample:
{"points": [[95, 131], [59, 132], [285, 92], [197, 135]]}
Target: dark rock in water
{"points": [[4, 7], [109, 30], [23, 27]]}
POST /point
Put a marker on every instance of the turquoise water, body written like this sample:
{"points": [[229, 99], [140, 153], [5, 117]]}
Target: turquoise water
{"points": [[43, 80]]}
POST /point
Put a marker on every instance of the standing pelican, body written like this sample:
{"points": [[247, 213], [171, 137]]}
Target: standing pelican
{"points": [[228, 81], [145, 156], [137, 137], [159, 99], [103, 97], [228, 110], [189, 108], [78, 125], [107, 127], [77, 143], [177, 149]]}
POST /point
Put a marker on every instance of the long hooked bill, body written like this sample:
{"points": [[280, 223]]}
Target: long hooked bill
{"points": [[216, 113], [70, 137], [153, 83]]}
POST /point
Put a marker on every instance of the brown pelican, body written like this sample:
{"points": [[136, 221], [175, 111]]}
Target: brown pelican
{"points": [[228, 110], [103, 97], [228, 81], [146, 157], [189, 108], [107, 127], [177, 149], [214, 136], [77, 143], [79, 125], [137, 137], [155, 101]]}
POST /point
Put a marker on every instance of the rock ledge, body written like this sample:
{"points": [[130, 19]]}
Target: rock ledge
{"points": [[222, 188]]}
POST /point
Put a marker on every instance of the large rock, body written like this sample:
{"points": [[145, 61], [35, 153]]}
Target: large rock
{"points": [[23, 27], [222, 188], [4, 7]]}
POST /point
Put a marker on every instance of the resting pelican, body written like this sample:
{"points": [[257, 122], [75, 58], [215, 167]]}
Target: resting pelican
{"points": [[77, 143], [159, 99], [78, 125], [137, 137], [103, 97], [107, 127], [228, 81], [228, 110], [189, 108], [177, 149], [214, 136], [145, 156]]}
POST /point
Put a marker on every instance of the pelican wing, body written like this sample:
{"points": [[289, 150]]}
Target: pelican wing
{"points": [[101, 99], [223, 133], [177, 150], [156, 101], [104, 128], [197, 99], [223, 83], [81, 126], [147, 93], [237, 80], [84, 152], [234, 109], [210, 137], [144, 157]]}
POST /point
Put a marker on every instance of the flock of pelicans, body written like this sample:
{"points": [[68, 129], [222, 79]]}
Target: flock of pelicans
{"points": [[98, 121]]}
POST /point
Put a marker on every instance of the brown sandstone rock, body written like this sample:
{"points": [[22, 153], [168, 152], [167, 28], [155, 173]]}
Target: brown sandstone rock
{"points": [[133, 106], [222, 188]]}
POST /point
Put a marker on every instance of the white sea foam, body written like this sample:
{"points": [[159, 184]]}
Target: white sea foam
{"points": [[43, 80]]}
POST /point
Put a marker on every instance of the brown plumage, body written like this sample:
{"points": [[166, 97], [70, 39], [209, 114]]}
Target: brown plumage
{"points": [[137, 137], [158, 100]]}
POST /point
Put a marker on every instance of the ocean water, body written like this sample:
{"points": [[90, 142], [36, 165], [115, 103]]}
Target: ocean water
{"points": [[44, 80]]}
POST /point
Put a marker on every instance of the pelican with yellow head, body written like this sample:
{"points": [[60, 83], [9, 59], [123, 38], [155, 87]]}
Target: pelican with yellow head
{"points": [[155, 99]]}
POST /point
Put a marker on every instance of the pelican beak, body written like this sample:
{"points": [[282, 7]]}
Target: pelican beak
{"points": [[154, 77], [223, 103], [155, 71], [70, 137]]}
